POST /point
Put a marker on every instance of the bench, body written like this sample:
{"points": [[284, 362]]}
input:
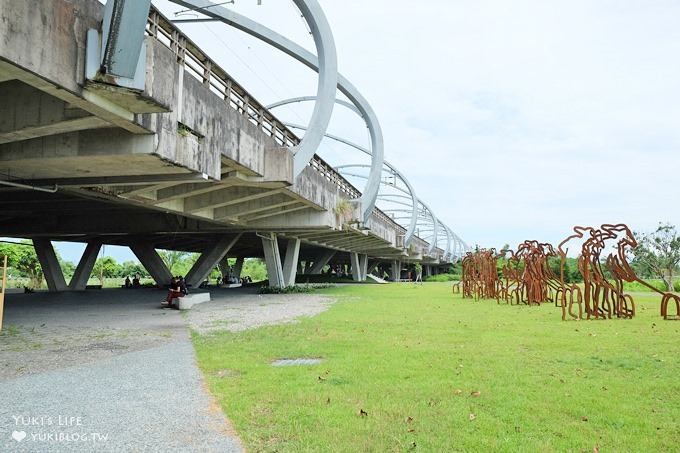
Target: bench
{"points": [[188, 301]]}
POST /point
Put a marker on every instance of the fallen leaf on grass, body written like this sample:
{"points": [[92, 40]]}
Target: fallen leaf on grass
{"points": [[584, 419], [604, 388], [458, 392], [596, 449], [476, 393], [412, 444], [472, 416], [321, 379], [362, 413], [408, 420]]}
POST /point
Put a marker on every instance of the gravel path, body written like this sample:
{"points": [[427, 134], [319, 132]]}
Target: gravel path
{"points": [[109, 370], [247, 310]]}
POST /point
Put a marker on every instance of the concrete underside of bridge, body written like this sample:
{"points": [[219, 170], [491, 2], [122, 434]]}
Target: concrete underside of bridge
{"points": [[173, 167]]}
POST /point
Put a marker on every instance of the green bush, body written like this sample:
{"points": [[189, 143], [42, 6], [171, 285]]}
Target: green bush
{"points": [[442, 278], [293, 289]]}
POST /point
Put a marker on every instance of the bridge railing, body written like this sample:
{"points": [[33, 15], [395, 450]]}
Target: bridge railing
{"points": [[199, 65], [333, 176], [208, 72]]}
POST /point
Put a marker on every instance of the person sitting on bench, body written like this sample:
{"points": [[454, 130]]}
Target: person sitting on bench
{"points": [[175, 290]]}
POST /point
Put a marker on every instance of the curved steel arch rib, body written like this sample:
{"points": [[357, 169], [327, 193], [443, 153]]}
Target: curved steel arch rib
{"points": [[368, 199], [410, 230], [325, 64], [370, 192]]}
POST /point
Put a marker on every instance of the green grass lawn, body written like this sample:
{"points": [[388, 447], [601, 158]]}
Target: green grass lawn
{"points": [[434, 372]]}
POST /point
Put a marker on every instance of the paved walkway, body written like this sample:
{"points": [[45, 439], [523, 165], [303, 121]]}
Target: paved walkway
{"points": [[103, 370], [108, 370]]}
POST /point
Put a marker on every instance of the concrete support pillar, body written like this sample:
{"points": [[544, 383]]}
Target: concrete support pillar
{"points": [[323, 259], [272, 257], [396, 270], [50, 264], [427, 270], [224, 266], [85, 265], [238, 267], [208, 260], [359, 265], [371, 267], [290, 263], [153, 263]]}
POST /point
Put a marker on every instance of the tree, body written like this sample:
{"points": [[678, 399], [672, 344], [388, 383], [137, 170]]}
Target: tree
{"points": [[255, 268], [68, 268], [660, 252], [104, 267], [130, 269], [172, 258], [22, 257]]}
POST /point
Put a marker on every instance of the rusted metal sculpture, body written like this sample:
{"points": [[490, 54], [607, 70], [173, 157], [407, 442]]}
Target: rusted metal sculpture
{"points": [[511, 287], [529, 279], [527, 276], [480, 277], [601, 297]]}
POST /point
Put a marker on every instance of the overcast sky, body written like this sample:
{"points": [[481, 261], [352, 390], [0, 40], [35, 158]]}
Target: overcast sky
{"points": [[513, 120]]}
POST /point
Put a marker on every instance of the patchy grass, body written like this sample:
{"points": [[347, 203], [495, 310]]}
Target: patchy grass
{"points": [[414, 367]]}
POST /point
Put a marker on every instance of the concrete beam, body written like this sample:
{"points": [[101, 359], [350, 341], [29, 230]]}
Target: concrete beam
{"points": [[241, 209], [272, 257], [50, 264], [321, 261], [227, 196], [209, 259], [238, 267], [281, 210], [359, 264], [153, 263], [85, 265], [396, 270], [290, 263]]}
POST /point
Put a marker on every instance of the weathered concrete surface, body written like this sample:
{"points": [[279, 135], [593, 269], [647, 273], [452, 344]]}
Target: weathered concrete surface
{"points": [[175, 166]]}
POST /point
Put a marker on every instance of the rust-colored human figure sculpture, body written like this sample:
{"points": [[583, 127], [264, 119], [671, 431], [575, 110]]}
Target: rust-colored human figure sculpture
{"points": [[618, 266], [536, 274], [480, 277], [528, 278], [527, 275], [570, 294], [602, 298], [512, 288]]}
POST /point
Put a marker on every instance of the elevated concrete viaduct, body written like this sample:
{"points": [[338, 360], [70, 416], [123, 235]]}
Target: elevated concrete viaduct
{"points": [[187, 161]]}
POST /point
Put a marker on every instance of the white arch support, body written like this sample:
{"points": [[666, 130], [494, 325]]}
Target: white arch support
{"points": [[325, 64]]}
